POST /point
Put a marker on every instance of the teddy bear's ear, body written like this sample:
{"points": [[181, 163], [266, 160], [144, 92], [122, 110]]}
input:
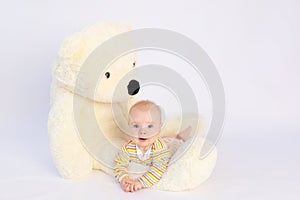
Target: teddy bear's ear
{"points": [[68, 58], [76, 49]]}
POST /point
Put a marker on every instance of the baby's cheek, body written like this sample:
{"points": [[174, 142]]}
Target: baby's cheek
{"points": [[134, 134], [135, 140]]}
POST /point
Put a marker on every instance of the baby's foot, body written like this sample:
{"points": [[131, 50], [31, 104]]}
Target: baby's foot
{"points": [[184, 135]]}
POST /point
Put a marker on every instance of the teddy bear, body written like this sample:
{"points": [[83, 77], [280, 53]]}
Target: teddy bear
{"points": [[73, 101]]}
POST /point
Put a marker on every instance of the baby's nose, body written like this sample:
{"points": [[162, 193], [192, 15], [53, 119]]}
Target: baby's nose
{"points": [[142, 132]]}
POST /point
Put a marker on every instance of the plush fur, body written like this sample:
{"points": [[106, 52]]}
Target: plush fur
{"points": [[72, 158]]}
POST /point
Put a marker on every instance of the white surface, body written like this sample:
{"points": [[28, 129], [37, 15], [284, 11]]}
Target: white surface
{"points": [[254, 44]]}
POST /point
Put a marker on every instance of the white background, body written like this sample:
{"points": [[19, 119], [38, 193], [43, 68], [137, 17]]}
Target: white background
{"points": [[255, 46]]}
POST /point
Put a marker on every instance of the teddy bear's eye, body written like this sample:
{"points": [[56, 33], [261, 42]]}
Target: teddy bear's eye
{"points": [[107, 74], [133, 64]]}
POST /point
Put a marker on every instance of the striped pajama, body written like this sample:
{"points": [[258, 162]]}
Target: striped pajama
{"points": [[158, 162]]}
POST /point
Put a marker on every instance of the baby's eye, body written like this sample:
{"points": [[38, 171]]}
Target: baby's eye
{"points": [[150, 126], [135, 126]]}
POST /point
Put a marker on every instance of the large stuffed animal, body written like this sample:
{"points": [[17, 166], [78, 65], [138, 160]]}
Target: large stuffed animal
{"points": [[76, 155]]}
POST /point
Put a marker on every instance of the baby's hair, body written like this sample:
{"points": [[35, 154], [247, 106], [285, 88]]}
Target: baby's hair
{"points": [[145, 105]]}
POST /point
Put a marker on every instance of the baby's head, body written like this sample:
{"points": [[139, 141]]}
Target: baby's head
{"points": [[145, 122]]}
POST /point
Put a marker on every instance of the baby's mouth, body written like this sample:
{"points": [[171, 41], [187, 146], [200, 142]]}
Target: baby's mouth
{"points": [[142, 139]]}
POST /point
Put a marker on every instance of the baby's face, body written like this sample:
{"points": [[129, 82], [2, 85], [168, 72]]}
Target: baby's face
{"points": [[145, 127]]}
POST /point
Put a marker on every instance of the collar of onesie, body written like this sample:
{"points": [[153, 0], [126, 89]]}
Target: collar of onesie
{"points": [[140, 154]]}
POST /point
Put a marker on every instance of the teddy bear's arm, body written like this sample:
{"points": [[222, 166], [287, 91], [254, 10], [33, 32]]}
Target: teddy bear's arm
{"points": [[71, 158]]}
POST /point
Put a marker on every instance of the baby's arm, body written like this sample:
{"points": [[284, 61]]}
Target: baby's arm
{"points": [[157, 168], [121, 164], [121, 174]]}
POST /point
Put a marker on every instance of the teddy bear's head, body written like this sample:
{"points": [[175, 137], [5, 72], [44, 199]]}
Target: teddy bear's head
{"points": [[79, 51]]}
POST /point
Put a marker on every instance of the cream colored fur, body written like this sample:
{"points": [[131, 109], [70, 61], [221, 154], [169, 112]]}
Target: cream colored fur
{"points": [[71, 157]]}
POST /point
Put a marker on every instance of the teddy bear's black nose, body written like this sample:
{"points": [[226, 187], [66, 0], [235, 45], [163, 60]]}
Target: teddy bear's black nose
{"points": [[133, 87]]}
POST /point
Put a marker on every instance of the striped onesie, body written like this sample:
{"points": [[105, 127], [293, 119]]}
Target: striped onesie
{"points": [[157, 162]]}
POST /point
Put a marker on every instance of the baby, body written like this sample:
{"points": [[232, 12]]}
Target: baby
{"points": [[145, 147]]}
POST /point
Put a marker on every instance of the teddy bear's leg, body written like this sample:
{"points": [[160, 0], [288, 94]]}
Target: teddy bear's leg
{"points": [[70, 157], [186, 170]]}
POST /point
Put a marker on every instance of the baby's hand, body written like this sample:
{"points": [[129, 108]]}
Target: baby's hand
{"points": [[129, 185], [126, 183], [135, 186]]}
